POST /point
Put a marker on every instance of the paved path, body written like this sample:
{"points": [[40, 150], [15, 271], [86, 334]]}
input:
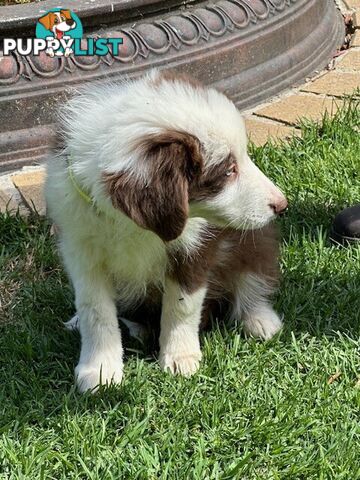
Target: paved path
{"points": [[276, 119]]}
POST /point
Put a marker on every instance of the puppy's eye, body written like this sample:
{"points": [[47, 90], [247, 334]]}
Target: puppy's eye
{"points": [[62, 18], [231, 171], [56, 20]]}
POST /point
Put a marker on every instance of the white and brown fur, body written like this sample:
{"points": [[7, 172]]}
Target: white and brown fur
{"points": [[180, 209]]}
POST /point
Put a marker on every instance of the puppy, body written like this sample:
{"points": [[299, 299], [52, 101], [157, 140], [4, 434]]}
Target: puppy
{"points": [[58, 23], [156, 198]]}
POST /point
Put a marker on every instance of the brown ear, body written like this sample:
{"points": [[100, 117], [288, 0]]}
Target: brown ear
{"points": [[47, 20], [161, 204], [66, 13]]}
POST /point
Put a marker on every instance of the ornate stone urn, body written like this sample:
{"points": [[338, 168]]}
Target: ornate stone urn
{"points": [[249, 49]]}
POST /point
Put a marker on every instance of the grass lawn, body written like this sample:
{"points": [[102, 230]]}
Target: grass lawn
{"points": [[286, 409]]}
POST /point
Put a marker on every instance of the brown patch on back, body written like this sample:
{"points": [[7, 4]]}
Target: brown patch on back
{"points": [[224, 255], [172, 76], [161, 205], [252, 251], [247, 252]]}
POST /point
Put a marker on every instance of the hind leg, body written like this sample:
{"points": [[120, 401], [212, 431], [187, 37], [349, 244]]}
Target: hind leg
{"points": [[252, 303]]}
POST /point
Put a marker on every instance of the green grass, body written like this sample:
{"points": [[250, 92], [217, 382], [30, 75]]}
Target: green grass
{"points": [[254, 411]]}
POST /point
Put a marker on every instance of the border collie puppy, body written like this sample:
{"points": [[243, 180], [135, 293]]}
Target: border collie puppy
{"points": [[155, 196]]}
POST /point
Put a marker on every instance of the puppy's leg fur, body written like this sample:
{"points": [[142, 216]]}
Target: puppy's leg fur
{"points": [[101, 357], [180, 320], [251, 300]]}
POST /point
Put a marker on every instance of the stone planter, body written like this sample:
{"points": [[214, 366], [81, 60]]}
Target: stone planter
{"points": [[249, 49]]}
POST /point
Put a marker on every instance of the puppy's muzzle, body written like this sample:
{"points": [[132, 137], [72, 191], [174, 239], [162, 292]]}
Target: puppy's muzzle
{"points": [[279, 204]]}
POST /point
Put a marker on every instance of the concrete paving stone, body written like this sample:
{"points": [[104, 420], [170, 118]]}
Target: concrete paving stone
{"points": [[10, 199], [355, 42], [354, 6], [353, 3], [291, 109], [334, 83], [350, 61], [7, 202], [260, 131], [30, 185]]}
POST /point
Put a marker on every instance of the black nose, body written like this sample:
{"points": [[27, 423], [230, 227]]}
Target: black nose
{"points": [[70, 22]]}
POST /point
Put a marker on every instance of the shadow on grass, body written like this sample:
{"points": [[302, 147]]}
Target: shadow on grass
{"points": [[320, 291]]}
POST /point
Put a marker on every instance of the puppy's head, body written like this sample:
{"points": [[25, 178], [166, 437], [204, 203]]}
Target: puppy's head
{"points": [[58, 22], [202, 170]]}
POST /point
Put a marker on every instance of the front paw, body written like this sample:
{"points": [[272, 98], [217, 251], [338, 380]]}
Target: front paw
{"points": [[263, 323], [89, 376], [184, 363]]}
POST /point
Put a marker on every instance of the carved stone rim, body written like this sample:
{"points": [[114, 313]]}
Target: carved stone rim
{"points": [[249, 49], [16, 19]]}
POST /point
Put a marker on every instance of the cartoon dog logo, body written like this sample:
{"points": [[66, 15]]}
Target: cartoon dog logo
{"points": [[58, 23]]}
